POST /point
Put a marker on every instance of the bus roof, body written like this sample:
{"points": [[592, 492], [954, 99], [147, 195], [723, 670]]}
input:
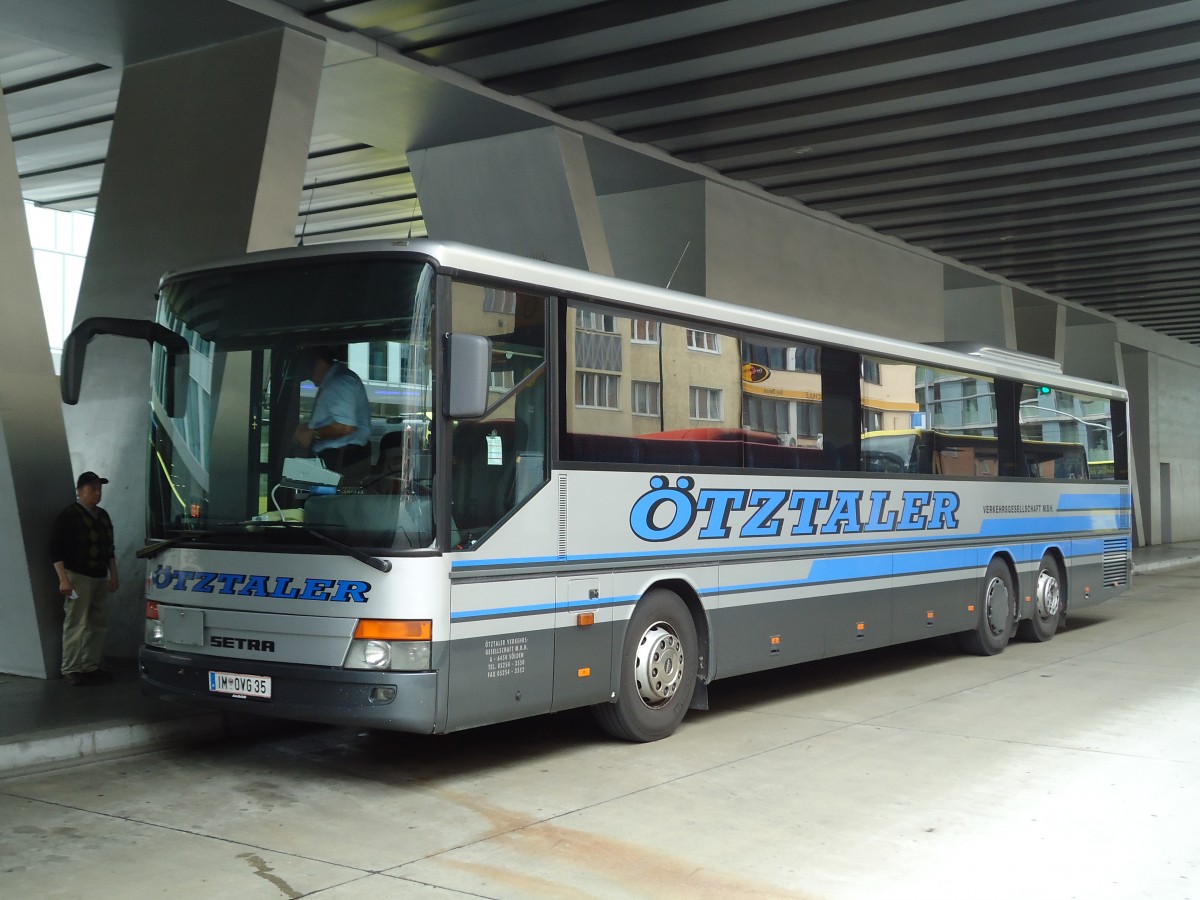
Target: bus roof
{"points": [[464, 259]]}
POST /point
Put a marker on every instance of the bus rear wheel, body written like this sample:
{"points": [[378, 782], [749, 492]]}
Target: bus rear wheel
{"points": [[1048, 611], [658, 671], [997, 601]]}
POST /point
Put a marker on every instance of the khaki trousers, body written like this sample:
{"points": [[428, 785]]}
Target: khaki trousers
{"points": [[85, 625]]}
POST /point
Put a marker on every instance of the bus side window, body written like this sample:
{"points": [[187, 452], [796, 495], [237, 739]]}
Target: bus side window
{"points": [[1067, 435]]}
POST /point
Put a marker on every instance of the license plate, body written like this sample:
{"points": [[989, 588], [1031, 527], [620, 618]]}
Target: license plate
{"points": [[240, 685]]}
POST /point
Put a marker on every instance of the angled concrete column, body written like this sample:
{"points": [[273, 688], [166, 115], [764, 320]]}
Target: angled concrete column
{"points": [[529, 193], [35, 471], [206, 161], [981, 315], [1089, 346], [1133, 373], [657, 235], [1139, 377], [1041, 325]]}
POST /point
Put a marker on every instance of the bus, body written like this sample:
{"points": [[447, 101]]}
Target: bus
{"points": [[582, 492]]}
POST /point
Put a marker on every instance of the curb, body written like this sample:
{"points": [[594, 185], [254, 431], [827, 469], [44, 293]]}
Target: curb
{"points": [[73, 747], [1159, 565]]}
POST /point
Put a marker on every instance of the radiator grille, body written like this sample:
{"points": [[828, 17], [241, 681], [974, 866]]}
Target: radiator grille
{"points": [[1116, 562]]}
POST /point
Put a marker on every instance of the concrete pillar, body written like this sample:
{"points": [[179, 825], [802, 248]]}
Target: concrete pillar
{"points": [[1133, 375], [657, 235], [1089, 347], [529, 193], [1174, 440], [1138, 377], [206, 161], [981, 314], [1041, 325], [35, 471]]}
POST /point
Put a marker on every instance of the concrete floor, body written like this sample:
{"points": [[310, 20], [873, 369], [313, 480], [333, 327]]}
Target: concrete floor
{"points": [[1060, 770]]}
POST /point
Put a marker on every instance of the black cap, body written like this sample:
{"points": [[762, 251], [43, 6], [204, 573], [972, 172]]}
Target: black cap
{"points": [[328, 353], [89, 478]]}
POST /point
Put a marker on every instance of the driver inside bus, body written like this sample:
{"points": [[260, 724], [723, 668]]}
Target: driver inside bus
{"points": [[339, 431]]}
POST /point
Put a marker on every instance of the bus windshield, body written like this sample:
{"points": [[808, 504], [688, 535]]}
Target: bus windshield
{"points": [[242, 461]]}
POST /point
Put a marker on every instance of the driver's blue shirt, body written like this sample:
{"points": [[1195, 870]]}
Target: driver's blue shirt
{"points": [[342, 399]]}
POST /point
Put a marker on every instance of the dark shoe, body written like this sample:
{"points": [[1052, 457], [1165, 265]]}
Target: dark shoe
{"points": [[75, 678], [96, 676]]}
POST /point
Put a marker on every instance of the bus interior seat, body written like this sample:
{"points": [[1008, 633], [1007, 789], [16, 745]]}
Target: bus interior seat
{"points": [[483, 480], [389, 462]]}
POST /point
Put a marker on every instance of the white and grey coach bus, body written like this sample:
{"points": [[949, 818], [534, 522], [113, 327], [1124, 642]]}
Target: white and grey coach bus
{"points": [[585, 492]]}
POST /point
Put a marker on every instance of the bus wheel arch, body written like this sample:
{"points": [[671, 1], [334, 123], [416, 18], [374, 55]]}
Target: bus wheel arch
{"points": [[1049, 599], [686, 592], [997, 622], [658, 667]]}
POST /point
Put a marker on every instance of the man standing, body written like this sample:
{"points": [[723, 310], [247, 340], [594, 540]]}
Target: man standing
{"points": [[84, 555]]}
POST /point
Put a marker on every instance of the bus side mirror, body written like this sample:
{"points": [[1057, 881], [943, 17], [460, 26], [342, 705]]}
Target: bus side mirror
{"points": [[468, 366], [176, 347]]}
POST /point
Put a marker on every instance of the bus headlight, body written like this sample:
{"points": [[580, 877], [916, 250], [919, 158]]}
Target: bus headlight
{"points": [[153, 631], [391, 645], [377, 654]]}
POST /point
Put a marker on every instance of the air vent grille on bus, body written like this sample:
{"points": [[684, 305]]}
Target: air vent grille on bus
{"points": [[562, 516], [1116, 562]]}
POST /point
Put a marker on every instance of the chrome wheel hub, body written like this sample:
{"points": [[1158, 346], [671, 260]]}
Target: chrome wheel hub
{"points": [[997, 605], [1049, 597], [658, 669]]}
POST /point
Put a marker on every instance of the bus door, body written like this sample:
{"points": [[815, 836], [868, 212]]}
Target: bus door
{"points": [[583, 640]]}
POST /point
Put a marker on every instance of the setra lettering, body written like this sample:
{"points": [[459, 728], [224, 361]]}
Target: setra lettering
{"points": [[255, 645]]}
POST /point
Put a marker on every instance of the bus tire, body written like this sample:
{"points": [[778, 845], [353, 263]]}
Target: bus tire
{"points": [[1048, 610], [997, 612], [658, 671]]}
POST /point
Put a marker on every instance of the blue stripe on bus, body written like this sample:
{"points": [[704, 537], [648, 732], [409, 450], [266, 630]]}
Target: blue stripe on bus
{"points": [[1094, 501], [1098, 546], [1056, 525], [1025, 527], [830, 571]]}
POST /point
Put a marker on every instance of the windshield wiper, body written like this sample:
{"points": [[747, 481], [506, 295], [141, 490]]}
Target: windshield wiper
{"points": [[152, 550], [186, 537], [383, 565]]}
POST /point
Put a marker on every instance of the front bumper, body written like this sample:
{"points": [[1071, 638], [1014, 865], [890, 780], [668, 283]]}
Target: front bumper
{"points": [[306, 693]]}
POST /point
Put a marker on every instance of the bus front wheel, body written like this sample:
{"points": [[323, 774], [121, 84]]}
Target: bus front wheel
{"points": [[997, 601], [658, 671], [1048, 611]]}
